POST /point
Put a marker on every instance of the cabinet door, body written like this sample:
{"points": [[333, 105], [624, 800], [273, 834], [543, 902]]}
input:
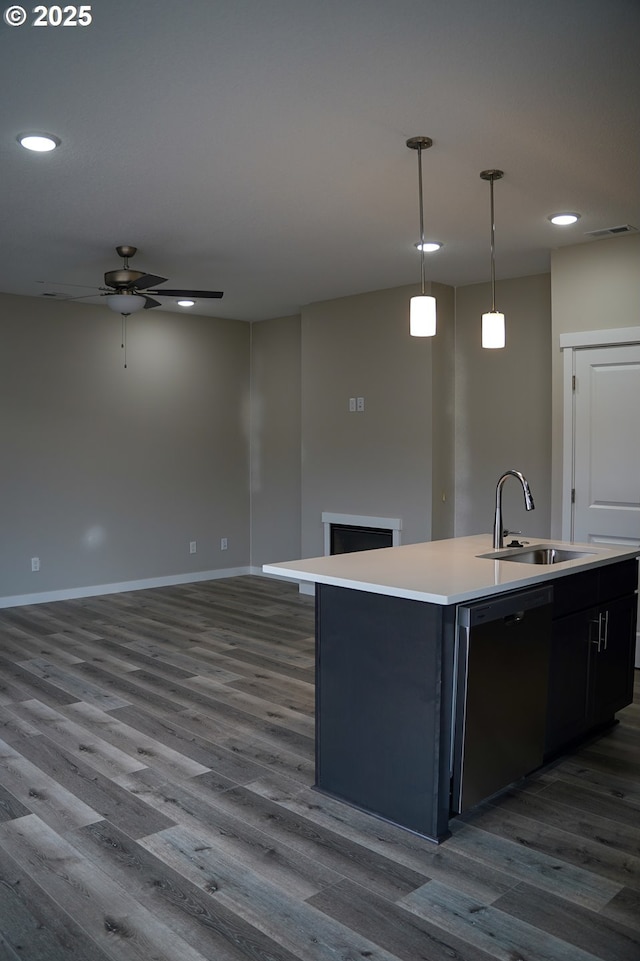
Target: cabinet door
{"points": [[568, 699], [613, 654]]}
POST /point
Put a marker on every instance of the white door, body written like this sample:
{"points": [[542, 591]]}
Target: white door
{"points": [[606, 449]]}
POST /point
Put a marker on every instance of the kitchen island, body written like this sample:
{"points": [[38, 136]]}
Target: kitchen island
{"points": [[399, 704]]}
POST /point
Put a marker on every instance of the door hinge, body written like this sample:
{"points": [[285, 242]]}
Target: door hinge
{"points": [[573, 382], [573, 495]]}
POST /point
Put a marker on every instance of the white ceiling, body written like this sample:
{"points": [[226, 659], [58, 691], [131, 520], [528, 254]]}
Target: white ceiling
{"points": [[258, 146]]}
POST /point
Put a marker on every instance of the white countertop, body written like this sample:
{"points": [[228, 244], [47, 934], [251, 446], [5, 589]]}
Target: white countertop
{"points": [[442, 572]]}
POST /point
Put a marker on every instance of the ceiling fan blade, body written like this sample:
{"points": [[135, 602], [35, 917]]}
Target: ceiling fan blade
{"points": [[57, 283], [150, 302], [147, 280], [187, 293]]}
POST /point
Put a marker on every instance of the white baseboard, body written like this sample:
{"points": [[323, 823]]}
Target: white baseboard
{"points": [[71, 593]]}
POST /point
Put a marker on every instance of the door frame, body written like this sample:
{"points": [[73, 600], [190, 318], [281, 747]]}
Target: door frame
{"points": [[569, 344]]}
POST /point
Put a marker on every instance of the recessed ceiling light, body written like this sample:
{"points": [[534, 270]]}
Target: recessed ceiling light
{"points": [[186, 303], [564, 220], [40, 142], [429, 246]]}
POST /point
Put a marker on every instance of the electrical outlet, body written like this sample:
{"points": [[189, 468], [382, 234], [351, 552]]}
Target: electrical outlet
{"points": [[192, 547], [224, 543], [360, 403], [35, 564]]}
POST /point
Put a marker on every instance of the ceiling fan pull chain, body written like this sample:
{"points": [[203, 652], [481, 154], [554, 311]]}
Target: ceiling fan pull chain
{"points": [[124, 339]]}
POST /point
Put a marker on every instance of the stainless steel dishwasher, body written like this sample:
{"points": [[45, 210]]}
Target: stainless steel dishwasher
{"points": [[502, 668]]}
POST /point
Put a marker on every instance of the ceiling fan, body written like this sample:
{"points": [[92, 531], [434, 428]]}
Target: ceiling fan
{"points": [[128, 291]]}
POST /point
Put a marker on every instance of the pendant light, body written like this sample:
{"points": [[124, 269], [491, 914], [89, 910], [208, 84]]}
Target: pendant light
{"points": [[493, 332], [422, 315]]}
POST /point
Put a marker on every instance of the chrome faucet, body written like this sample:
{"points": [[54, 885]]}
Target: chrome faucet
{"points": [[498, 532]]}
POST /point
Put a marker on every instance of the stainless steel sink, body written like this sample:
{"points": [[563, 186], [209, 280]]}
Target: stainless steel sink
{"points": [[538, 554]]}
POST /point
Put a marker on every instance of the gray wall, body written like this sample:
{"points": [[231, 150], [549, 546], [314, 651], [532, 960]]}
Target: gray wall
{"points": [[503, 406], [443, 356], [275, 443], [108, 474], [594, 286], [378, 462]]}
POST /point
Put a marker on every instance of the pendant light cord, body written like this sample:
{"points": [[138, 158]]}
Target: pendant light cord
{"points": [[493, 252], [420, 144], [492, 176], [421, 218]]}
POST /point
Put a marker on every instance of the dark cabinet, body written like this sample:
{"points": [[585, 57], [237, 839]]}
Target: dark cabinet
{"points": [[612, 657], [384, 682], [592, 651]]}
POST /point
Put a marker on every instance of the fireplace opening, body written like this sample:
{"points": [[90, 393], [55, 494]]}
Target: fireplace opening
{"points": [[345, 538]]}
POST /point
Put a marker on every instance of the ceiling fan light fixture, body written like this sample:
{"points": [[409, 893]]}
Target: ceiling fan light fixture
{"points": [[493, 327], [39, 142], [429, 246], [186, 303], [564, 219], [422, 309], [125, 303]]}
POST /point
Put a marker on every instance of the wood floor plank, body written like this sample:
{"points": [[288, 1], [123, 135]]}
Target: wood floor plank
{"points": [[244, 742], [226, 718], [25, 684], [573, 772], [151, 751], [79, 741], [10, 806], [578, 818], [580, 851], [164, 659], [41, 794], [98, 792], [191, 912], [307, 933], [122, 927], [486, 927], [625, 908], [72, 683], [406, 933], [231, 839], [612, 806], [439, 862], [588, 930], [540, 870], [256, 706], [345, 857], [234, 641], [33, 924], [240, 657]]}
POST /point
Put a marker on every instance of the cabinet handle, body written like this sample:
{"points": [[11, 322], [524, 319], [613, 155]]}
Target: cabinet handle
{"points": [[592, 623], [606, 629]]}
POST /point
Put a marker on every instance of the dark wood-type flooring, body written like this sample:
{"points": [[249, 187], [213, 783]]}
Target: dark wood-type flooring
{"points": [[156, 763]]}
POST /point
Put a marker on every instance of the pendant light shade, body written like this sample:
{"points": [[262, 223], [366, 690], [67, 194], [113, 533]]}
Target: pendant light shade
{"points": [[422, 313], [493, 331], [493, 326], [422, 316]]}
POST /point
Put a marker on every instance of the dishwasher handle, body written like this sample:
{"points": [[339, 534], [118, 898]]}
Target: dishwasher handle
{"points": [[516, 618], [510, 608]]}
